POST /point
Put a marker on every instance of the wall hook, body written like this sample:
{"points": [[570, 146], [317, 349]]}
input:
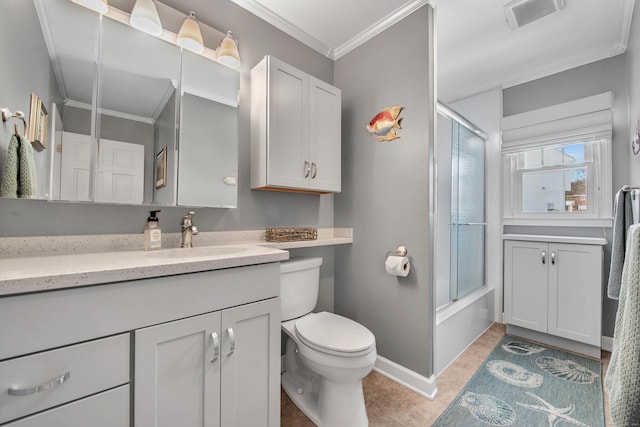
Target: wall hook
{"points": [[7, 114]]}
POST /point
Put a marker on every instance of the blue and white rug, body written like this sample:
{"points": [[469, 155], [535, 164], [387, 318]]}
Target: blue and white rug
{"points": [[525, 384]]}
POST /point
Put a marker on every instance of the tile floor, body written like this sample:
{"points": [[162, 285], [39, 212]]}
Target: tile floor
{"points": [[391, 405]]}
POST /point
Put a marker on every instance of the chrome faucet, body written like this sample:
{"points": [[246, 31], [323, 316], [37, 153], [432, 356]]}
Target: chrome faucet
{"points": [[188, 230]]}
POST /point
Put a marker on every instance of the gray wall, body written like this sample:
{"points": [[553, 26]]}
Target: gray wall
{"points": [[633, 67], [591, 79], [16, 69], [256, 209], [385, 191]]}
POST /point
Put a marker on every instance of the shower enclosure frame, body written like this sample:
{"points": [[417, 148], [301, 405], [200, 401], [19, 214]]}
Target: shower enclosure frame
{"points": [[454, 116]]}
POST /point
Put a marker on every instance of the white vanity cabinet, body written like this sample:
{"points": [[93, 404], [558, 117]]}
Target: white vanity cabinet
{"points": [[90, 348], [295, 130], [554, 289], [210, 370]]}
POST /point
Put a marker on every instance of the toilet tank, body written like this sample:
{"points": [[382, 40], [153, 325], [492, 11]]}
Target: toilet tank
{"points": [[299, 282]]}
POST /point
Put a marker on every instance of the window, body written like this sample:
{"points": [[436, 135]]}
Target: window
{"points": [[557, 171]]}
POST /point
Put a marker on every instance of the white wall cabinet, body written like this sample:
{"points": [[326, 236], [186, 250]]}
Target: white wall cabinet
{"points": [[77, 343], [295, 130], [209, 370], [554, 288]]}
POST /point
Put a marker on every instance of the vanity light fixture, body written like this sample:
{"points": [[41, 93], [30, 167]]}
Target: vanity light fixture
{"points": [[144, 17], [228, 51], [189, 36], [99, 6]]}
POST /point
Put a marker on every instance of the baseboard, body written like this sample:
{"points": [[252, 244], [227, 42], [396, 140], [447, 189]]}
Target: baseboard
{"points": [[607, 343], [413, 381]]}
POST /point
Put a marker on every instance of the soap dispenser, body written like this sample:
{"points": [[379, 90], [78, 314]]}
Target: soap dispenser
{"points": [[152, 233]]}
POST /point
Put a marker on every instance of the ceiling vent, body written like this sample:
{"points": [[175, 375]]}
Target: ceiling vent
{"points": [[523, 12]]}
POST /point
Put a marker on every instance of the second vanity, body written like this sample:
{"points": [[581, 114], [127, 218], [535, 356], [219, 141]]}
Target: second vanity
{"points": [[132, 338]]}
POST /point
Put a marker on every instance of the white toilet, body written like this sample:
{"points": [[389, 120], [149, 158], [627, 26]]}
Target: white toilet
{"points": [[327, 355]]}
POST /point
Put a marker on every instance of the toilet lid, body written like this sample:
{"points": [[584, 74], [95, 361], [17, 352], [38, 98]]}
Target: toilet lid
{"points": [[327, 331]]}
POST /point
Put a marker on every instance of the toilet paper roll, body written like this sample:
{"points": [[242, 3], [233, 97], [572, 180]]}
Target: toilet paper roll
{"points": [[397, 265]]}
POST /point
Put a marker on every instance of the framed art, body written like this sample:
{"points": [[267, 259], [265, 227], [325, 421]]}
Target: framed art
{"points": [[161, 168], [38, 121]]}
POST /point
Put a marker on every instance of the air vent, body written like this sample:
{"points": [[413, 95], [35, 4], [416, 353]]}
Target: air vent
{"points": [[523, 12]]}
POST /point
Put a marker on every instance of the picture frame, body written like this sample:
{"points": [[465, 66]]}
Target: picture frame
{"points": [[38, 122], [161, 168]]}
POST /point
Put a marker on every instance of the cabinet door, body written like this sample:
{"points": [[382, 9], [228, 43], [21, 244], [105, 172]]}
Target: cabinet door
{"points": [[251, 365], [325, 136], [177, 378], [525, 284], [288, 127], [575, 284]]}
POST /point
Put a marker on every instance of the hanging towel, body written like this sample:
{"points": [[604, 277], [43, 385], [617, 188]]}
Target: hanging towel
{"points": [[9, 184], [622, 219], [623, 375], [27, 182]]}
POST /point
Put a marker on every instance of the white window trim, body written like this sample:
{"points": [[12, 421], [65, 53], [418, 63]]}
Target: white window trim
{"points": [[583, 120]]}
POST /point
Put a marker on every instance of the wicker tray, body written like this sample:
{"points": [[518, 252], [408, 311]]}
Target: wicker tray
{"points": [[291, 234]]}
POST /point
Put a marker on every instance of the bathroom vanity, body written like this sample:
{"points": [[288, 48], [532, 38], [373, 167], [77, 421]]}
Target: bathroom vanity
{"points": [[553, 290], [133, 338]]}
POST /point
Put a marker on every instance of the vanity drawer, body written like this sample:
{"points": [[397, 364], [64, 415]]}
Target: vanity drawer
{"points": [[32, 383], [107, 409]]}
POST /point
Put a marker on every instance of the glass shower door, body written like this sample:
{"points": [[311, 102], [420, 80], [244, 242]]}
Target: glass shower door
{"points": [[467, 211]]}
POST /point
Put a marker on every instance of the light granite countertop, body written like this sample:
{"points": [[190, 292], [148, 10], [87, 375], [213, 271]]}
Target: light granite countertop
{"points": [[42, 273], [35, 264]]}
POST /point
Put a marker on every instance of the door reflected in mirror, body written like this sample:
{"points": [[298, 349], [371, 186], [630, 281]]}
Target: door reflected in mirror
{"points": [[116, 97]]}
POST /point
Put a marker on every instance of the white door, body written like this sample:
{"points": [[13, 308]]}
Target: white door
{"points": [[325, 136], [177, 375], [76, 167], [575, 286], [526, 277], [120, 174], [251, 365], [288, 127]]}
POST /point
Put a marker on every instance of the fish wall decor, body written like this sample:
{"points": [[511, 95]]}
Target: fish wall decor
{"points": [[383, 126]]}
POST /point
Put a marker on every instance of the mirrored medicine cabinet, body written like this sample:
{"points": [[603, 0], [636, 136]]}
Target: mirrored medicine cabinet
{"points": [[132, 118]]}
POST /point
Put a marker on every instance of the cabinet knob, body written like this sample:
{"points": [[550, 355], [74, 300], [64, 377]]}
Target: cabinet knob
{"points": [[553, 258], [314, 168], [544, 257], [216, 347], [307, 169], [232, 342], [13, 391]]}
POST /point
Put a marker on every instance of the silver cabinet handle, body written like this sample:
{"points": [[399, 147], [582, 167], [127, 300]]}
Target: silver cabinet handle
{"points": [[40, 388], [307, 169], [314, 168], [544, 257], [216, 347], [232, 341], [553, 258]]}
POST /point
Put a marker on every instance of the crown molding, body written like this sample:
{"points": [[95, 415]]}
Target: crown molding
{"points": [[284, 25], [331, 53], [378, 27], [625, 28]]}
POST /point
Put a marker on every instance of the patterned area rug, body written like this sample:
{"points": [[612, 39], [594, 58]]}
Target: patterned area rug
{"points": [[525, 384]]}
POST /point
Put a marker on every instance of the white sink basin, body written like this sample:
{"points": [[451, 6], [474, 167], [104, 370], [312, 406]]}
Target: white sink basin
{"points": [[196, 252]]}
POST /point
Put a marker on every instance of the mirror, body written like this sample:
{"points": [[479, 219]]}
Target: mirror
{"points": [[133, 119]]}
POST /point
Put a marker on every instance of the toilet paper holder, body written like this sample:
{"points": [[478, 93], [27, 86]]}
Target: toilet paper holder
{"points": [[400, 251]]}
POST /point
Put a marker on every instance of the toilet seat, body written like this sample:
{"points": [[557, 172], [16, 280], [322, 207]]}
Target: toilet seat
{"points": [[333, 334]]}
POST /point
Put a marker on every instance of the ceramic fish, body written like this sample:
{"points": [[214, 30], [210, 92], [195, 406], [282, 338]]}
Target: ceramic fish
{"points": [[567, 370], [488, 409], [521, 348], [513, 374], [383, 126]]}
